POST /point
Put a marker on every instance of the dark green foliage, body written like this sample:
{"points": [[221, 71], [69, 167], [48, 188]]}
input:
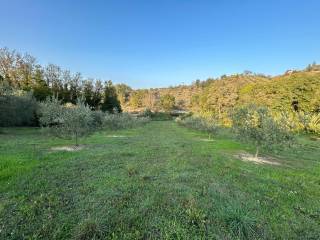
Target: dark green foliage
{"points": [[161, 116], [97, 95], [147, 113], [87, 92], [98, 119], [18, 110], [110, 103], [5, 87], [40, 88]]}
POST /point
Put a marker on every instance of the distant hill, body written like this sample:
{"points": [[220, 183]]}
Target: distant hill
{"points": [[292, 91]]}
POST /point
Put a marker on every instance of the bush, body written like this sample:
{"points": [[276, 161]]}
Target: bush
{"points": [[161, 116], [70, 121], [98, 119], [18, 110], [50, 112], [147, 113], [256, 124], [167, 102], [299, 121], [123, 120], [240, 220], [208, 125], [314, 124]]}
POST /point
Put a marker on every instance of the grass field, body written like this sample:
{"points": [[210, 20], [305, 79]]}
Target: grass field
{"points": [[159, 181]]}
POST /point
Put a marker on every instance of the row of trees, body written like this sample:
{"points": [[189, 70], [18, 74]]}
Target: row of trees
{"points": [[253, 124], [24, 83], [71, 121], [22, 72]]}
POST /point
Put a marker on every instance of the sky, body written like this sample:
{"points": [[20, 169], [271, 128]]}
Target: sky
{"points": [[153, 43]]}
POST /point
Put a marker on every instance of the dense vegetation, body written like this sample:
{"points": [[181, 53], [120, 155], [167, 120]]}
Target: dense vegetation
{"points": [[293, 91], [23, 83], [296, 92]]}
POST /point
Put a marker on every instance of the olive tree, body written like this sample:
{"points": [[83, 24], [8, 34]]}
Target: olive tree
{"points": [[69, 121], [256, 125]]}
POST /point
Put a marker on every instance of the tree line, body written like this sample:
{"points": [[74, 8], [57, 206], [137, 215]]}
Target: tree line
{"points": [[22, 73]]}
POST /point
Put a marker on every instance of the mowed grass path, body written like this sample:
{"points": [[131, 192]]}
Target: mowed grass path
{"points": [[159, 181]]}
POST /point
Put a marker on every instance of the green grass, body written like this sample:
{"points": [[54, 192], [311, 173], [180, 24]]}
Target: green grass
{"points": [[159, 181]]}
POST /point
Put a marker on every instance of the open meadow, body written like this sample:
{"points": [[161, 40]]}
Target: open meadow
{"points": [[157, 181]]}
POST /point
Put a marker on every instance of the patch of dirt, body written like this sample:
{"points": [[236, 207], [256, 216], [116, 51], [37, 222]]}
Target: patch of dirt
{"points": [[257, 160], [206, 140], [67, 148], [117, 136]]}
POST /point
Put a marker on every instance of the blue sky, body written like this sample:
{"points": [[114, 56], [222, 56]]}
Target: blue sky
{"points": [[153, 43]]}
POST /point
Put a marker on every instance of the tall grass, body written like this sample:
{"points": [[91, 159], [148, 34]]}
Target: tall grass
{"points": [[208, 125], [123, 120]]}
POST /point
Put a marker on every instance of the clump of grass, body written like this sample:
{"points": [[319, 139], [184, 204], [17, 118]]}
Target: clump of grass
{"points": [[196, 216], [88, 230], [131, 170], [240, 220], [123, 120]]}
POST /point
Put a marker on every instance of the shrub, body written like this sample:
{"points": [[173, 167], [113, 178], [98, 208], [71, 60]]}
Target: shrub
{"points": [[241, 220], [147, 113], [70, 121], [167, 102], [289, 120], [208, 125], [18, 110], [111, 102], [50, 112], [314, 124], [98, 119], [161, 116], [123, 120], [299, 121], [256, 125]]}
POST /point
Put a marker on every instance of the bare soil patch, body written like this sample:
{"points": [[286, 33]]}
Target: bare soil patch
{"points": [[117, 136], [206, 140], [67, 148], [257, 160]]}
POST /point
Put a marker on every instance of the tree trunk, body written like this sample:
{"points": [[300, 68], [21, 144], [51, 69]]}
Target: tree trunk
{"points": [[76, 139], [257, 152]]}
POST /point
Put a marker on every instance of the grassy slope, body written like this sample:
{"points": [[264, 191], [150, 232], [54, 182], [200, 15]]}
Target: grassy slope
{"points": [[159, 181]]}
